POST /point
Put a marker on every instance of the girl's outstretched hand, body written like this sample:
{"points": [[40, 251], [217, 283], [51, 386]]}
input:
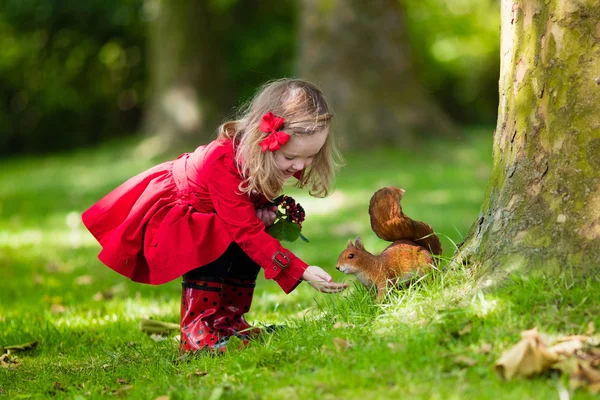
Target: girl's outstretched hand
{"points": [[267, 215], [321, 280]]}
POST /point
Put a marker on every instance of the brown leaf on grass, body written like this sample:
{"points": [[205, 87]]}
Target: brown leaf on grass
{"points": [[582, 338], [20, 347], [485, 348], [341, 344], [531, 333], [122, 391], [590, 328], [9, 361], [198, 373], [122, 381], [163, 398], [84, 280], [526, 358], [99, 296], [569, 346], [158, 337], [585, 376], [464, 361], [591, 354], [466, 329], [57, 309], [157, 327]]}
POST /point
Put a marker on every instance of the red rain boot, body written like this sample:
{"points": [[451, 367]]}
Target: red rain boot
{"points": [[200, 300], [235, 302]]}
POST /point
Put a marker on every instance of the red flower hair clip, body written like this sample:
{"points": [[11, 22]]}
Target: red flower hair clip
{"points": [[275, 139]]}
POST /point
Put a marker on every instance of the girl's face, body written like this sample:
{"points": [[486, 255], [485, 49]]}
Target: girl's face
{"points": [[298, 152]]}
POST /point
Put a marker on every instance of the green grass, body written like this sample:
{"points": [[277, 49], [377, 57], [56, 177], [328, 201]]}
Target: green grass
{"points": [[334, 347]]}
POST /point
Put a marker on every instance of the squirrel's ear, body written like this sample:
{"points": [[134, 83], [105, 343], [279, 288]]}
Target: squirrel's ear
{"points": [[358, 243], [350, 244]]}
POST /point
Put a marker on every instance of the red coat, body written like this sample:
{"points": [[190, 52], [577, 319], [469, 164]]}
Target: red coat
{"points": [[183, 214]]}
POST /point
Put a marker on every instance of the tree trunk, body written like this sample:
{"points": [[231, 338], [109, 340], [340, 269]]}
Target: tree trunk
{"points": [[189, 93], [542, 207], [359, 54]]}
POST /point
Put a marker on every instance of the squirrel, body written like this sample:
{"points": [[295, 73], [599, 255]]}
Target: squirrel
{"points": [[410, 255]]}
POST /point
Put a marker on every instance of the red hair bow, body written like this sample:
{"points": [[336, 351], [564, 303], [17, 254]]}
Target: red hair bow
{"points": [[275, 139]]}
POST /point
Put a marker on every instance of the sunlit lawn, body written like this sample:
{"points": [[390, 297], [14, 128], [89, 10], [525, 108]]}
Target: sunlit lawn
{"points": [[85, 317]]}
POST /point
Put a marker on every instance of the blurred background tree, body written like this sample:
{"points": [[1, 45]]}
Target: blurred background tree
{"points": [[72, 73], [360, 55], [456, 47], [78, 73], [205, 55]]}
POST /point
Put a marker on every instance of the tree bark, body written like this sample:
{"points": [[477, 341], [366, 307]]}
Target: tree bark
{"points": [[189, 90], [359, 54], [542, 205]]}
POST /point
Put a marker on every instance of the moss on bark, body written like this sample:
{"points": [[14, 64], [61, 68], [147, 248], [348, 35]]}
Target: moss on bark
{"points": [[542, 207]]}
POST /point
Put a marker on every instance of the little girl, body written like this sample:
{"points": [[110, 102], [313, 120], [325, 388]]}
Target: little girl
{"points": [[204, 215]]}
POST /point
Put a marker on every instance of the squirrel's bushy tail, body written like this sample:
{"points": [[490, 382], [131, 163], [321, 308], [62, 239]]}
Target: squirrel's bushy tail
{"points": [[391, 224]]}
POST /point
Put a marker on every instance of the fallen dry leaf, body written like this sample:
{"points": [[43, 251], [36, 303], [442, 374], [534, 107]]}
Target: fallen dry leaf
{"points": [[464, 361], [531, 333], [84, 280], [122, 391], [157, 337], [590, 328], [198, 373], [585, 376], [582, 338], [466, 329], [158, 327], [341, 344], [590, 354], [9, 361], [526, 358], [163, 398], [20, 347], [485, 348], [57, 309], [99, 296], [568, 347]]}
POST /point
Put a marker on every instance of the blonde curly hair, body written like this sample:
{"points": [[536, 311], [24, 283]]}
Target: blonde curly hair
{"points": [[306, 113]]}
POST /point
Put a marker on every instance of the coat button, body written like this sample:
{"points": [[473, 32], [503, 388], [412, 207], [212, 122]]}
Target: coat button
{"points": [[275, 268]]}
